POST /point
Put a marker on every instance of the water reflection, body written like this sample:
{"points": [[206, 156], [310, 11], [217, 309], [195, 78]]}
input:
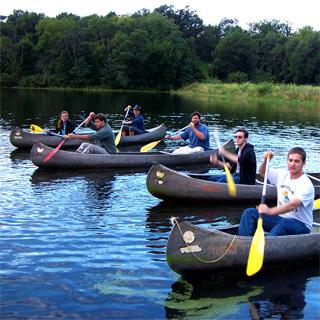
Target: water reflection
{"points": [[264, 297]]}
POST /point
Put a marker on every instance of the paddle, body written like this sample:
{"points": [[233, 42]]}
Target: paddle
{"points": [[231, 185], [118, 137], [35, 129], [151, 145], [256, 253], [52, 153], [316, 204]]}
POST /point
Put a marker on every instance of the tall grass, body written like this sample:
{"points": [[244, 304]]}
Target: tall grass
{"points": [[301, 93]]}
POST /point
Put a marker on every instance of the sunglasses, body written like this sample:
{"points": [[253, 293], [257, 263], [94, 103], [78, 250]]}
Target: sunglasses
{"points": [[238, 137]]}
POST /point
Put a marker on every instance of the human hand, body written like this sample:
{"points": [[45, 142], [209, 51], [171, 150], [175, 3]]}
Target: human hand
{"points": [[128, 107], [268, 154], [214, 159], [168, 136], [92, 115], [263, 209]]}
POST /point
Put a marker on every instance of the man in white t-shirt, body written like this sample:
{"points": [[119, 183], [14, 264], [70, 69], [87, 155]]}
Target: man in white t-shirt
{"points": [[293, 213]]}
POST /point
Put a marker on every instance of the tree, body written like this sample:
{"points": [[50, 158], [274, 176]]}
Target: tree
{"points": [[234, 53]]}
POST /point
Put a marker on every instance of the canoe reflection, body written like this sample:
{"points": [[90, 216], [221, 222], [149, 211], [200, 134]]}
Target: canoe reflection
{"points": [[280, 295]]}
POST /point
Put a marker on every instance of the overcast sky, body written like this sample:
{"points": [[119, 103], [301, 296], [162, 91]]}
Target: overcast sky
{"points": [[298, 13]]}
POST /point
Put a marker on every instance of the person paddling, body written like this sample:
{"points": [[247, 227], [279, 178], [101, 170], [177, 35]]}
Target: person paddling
{"points": [[134, 126], [197, 133], [101, 141]]}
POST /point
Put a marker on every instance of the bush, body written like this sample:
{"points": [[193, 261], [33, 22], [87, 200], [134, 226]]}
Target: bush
{"points": [[8, 80], [34, 80], [238, 77]]}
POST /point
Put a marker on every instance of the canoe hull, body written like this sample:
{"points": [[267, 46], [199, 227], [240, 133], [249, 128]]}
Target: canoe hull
{"points": [[66, 159], [153, 134], [24, 139], [221, 251], [171, 185]]}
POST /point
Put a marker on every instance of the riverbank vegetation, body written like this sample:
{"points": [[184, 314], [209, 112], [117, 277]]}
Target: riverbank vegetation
{"points": [[161, 50], [294, 93]]}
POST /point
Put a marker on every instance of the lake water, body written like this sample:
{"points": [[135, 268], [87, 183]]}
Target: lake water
{"points": [[91, 245]]}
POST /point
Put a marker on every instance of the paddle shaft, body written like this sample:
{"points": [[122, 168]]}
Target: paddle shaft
{"points": [[264, 189], [118, 137], [51, 154]]}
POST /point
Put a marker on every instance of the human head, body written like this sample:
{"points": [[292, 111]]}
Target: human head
{"points": [[137, 109], [64, 115], [195, 117], [241, 137], [300, 151], [100, 120]]}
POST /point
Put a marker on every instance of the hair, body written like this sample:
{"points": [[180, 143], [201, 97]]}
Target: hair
{"points": [[196, 113], [59, 125], [101, 117], [244, 131], [300, 151]]}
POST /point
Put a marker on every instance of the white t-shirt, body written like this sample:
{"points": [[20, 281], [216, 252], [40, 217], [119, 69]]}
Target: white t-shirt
{"points": [[287, 189]]}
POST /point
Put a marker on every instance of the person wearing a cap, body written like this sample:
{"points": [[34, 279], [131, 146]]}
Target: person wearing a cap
{"points": [[197, 133], [136, 123], [101, 141]]}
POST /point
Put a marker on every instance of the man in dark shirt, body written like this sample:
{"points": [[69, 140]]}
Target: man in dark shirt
{"points": [[101, 141], [244, 160]]}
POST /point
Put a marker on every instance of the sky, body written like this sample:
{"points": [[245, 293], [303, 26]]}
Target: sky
{"points": [[296, 13]]}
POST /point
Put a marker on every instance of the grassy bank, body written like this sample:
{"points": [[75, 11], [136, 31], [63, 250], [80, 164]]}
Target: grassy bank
{"points": [[266, 90]]}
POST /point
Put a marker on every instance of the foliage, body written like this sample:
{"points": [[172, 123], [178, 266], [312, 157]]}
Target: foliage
{"points": [[164, 49]]}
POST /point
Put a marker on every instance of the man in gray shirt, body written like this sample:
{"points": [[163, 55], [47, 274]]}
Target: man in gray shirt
{"points": [[102, 141]]}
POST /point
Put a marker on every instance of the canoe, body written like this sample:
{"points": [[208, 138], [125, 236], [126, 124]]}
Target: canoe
{"points": [[66, 159], [171, 185], [23, 138], [150, 135], [191, 249]]}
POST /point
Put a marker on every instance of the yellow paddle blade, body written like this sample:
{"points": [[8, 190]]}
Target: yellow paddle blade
{"points": [[316, 204], [231, 185], [256, 253], [149, 146], [35, 128], [118, 137]]}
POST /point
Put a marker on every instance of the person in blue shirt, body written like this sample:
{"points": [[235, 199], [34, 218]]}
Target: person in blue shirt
{"points": [[136, 123], [197, 134], [64, 125]]}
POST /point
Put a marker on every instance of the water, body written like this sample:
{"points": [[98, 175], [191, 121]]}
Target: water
{"points": [[91, 245]]}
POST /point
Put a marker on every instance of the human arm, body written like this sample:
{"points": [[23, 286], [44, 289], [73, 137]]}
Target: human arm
{"points": [[287, 207], [84, 137], [262, 168], [169, 137], [197, 132], [216, 162]]}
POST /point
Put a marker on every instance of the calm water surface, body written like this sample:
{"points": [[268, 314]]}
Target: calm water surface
{"points": [[91, 245]]}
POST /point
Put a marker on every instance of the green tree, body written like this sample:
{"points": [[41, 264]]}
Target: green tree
{"points": [[234, 53]]}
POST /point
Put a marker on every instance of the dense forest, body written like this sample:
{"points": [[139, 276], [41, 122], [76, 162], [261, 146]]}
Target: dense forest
{"points": [[164, 49]]}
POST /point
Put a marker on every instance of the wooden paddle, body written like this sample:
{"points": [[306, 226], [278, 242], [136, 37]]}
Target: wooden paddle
{"points": [[231, 185], [52, 153], [151, 145], [118, 137], [256, 253]]}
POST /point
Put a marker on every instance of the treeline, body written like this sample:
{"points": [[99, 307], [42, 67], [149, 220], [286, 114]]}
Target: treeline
{"points": [[163, 49]]}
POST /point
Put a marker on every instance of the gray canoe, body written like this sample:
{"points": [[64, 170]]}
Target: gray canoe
{"points": [[66, 159], [22, 138], [168, 184], [25, 139], [191, 249], [150, 135]]}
